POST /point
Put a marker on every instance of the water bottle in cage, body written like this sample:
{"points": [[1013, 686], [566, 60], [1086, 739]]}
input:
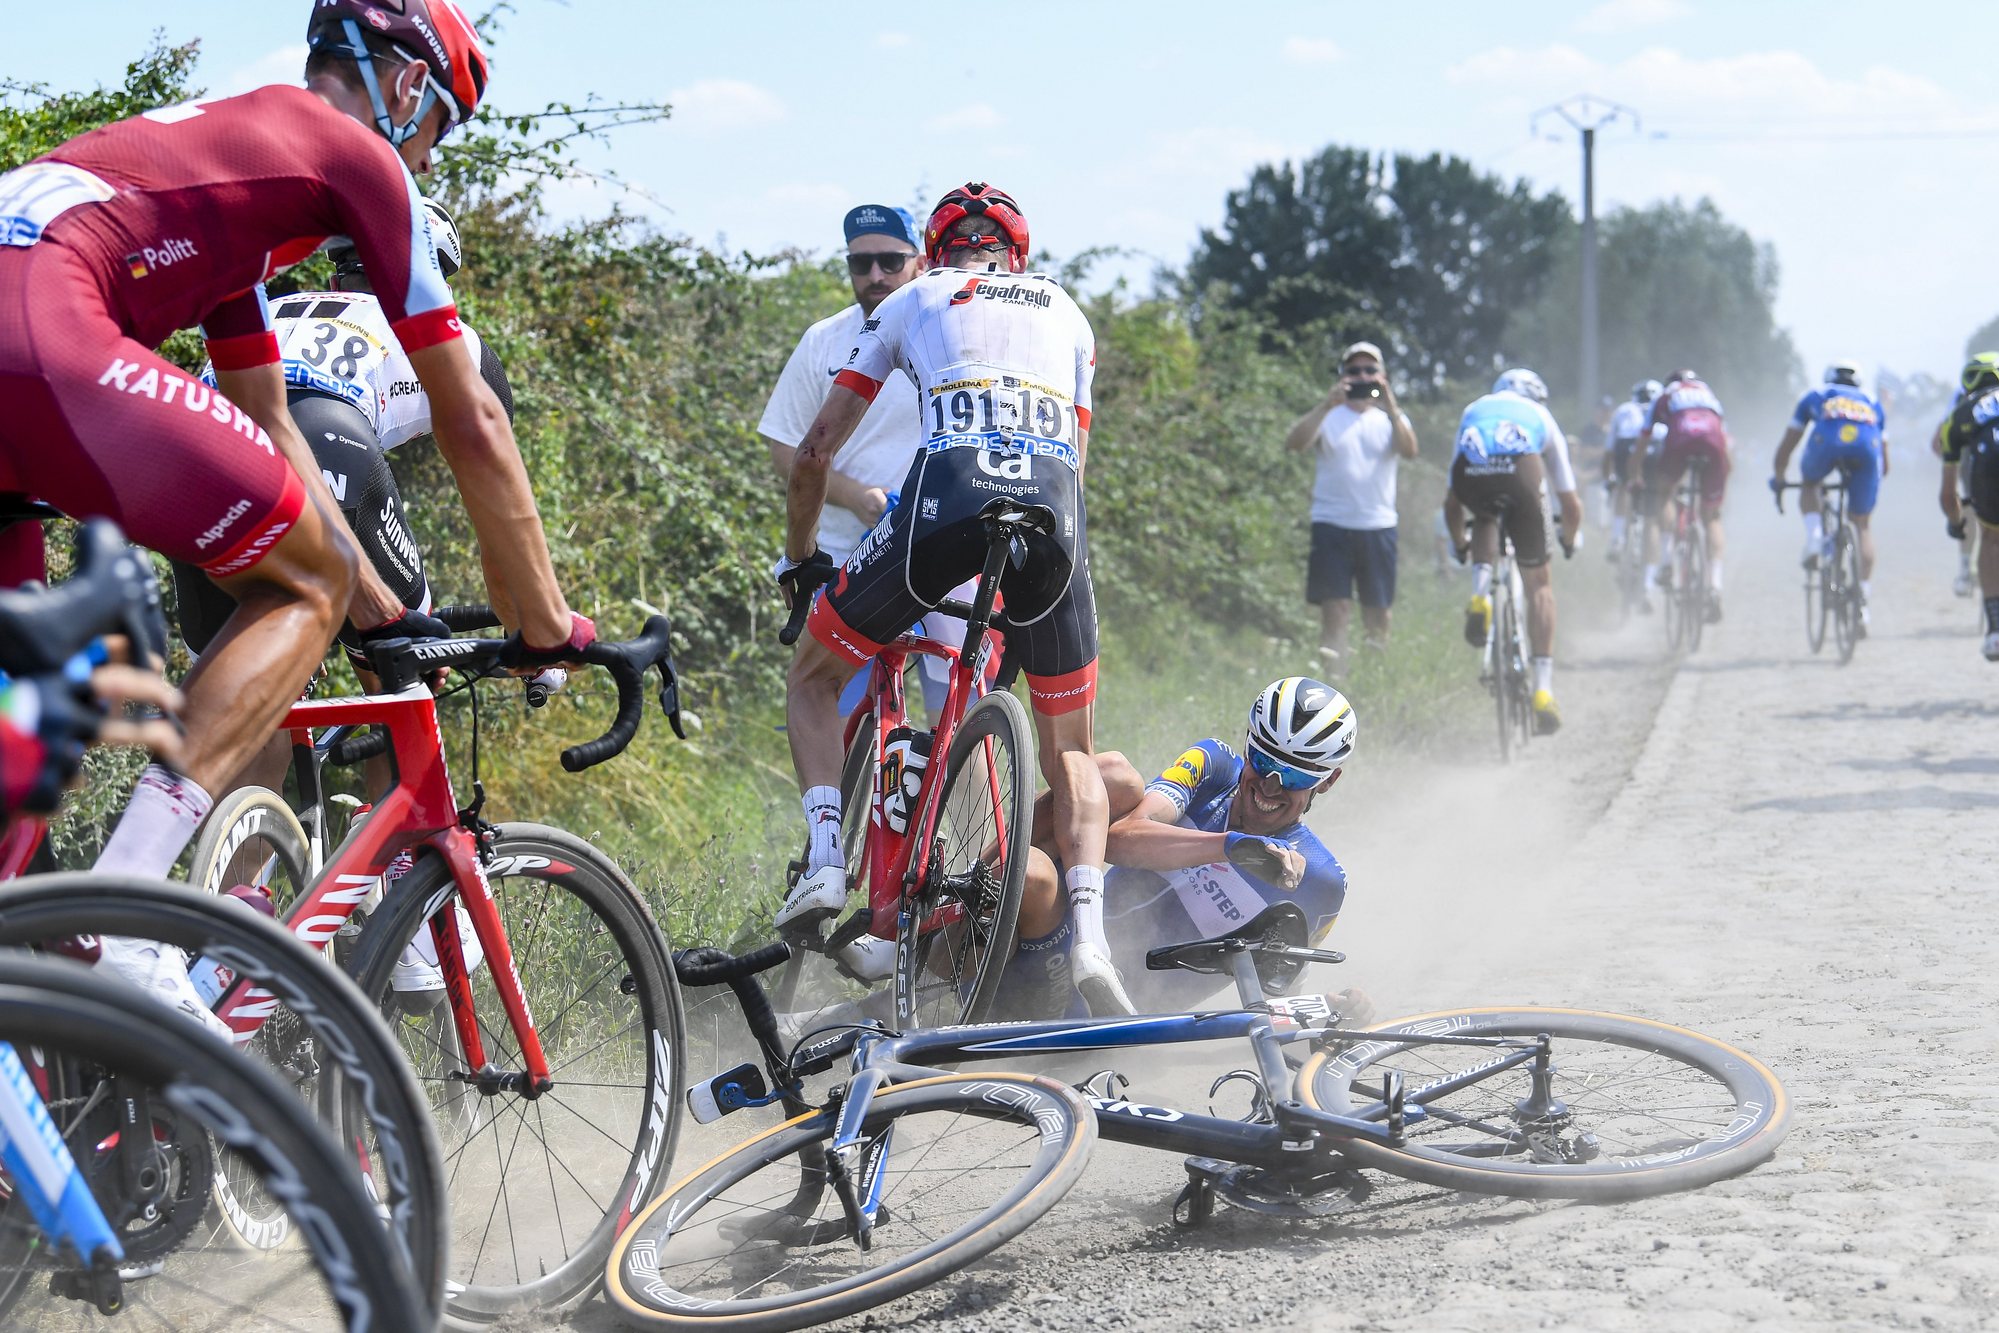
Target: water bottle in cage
{"points": [[904, 758]]}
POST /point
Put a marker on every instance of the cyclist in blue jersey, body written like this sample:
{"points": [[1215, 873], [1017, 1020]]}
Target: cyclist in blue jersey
{"points": [[1197, 851], [1509, 447], [1848, 432]]}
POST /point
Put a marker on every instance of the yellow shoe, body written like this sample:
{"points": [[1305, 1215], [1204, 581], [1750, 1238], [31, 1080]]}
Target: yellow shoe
{"points": [[1478, 620], [1547, 717]]}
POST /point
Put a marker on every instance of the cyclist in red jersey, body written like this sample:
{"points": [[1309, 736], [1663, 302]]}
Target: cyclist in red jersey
{"points": [[1686, 423], [176, 217]]}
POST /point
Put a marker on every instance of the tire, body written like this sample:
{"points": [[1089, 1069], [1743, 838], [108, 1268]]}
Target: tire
{"points": [[1694, 619], [1746, 1105], [1846, 624], [203, 1100], [1051, 1130], [553, 890], [252, 830], [1505, 699], [1817, 608], [318, 1021], [984, 829], [1673, 607]]}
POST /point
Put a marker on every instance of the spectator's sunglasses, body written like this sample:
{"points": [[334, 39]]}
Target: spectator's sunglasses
{"points": [[1362, 370], [890, 261], [1289, 778]]}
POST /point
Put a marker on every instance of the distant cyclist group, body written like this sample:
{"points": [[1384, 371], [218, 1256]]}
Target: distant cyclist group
{"points": [[263, 479]]}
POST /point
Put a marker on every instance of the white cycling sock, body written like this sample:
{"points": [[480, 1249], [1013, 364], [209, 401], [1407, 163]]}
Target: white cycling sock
{"points": [[1714, 576], [1481, 580], [1617, 530], [156, 827], [1815, 528], [822, 823], [1867, 590], [1544, 674], [1086, 903]]}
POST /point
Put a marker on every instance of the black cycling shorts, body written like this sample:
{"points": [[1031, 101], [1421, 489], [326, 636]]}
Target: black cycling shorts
{"points": [[1617, 460], [357, 471], [1507, 487], [1978, 473], [934, 539]]}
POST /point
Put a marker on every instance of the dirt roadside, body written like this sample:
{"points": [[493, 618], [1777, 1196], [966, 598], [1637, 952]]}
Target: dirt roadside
{"points": [[1760, 845]]}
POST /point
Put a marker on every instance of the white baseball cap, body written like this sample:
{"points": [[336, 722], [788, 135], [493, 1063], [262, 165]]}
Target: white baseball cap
{"points": [[1363, 349]]}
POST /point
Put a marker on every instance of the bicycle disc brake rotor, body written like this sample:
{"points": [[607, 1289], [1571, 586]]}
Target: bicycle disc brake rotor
{"points": [[162, 1208]]}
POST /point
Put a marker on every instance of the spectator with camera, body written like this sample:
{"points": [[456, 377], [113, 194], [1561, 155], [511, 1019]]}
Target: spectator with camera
{"points": [[1360, 435]]}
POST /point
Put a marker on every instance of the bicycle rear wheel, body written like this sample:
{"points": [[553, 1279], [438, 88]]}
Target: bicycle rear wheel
{"points": [[1846, 610], [976, 870], [252, 837], [111, 1059], [1694, 586], [1642, 1108], [760, 1239], [318, 1035], [1673, 609], [1817, 606], [540, 1185]]}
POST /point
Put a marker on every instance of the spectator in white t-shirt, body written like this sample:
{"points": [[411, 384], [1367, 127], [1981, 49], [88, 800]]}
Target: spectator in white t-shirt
{"points": [[882, 255], [1360, 435]]}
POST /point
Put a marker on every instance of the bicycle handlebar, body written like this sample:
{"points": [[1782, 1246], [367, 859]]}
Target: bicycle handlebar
{"points": [[800, 608], [401, 662], [469, 618], [718, 967], [1778, 486]]}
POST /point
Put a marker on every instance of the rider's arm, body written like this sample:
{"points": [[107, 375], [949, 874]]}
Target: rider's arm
{"points": [[1305, 430], [1792, 434], [841, 489], [260, 391], [477, 444], [1953, 505], [1152, 838], [813, 465]]}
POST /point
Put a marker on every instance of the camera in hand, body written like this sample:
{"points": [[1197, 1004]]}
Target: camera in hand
{"points": [[1357, 389]]}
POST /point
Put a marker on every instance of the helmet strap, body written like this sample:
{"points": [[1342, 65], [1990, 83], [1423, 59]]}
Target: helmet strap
{"points": [[397, 135]]}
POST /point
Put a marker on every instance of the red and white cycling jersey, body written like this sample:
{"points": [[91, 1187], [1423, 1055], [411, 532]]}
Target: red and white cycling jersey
{"points": [[1688, 409], [182, 212], [1000, 360]]}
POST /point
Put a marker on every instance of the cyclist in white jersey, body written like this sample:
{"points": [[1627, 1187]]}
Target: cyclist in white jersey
{"points": [[1003, 362]]}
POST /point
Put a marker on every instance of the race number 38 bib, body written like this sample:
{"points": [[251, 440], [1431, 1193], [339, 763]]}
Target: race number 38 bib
{"points": [[33, 196]]}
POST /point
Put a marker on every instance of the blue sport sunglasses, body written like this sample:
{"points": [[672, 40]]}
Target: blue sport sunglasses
{"points": [[1291, 779]]}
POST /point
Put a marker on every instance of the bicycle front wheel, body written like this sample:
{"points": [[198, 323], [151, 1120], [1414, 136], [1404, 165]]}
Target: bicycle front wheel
{"points": [[539, 1184], [764, 1238], [320, 1037], [1634, 1107], [974, 874], [150, 1108]]}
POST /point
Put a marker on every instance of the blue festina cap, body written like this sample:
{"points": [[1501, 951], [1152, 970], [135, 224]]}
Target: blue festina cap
{"points": [[882, 220]]}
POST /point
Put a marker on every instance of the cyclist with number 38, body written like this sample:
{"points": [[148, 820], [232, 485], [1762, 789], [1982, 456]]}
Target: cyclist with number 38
{"points": [[1508, 446], [1847, 429], [1003, 361], [175, 218]]}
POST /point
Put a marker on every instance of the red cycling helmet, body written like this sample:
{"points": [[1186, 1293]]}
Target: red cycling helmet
{"points": [[976, 199], [433, 31]]}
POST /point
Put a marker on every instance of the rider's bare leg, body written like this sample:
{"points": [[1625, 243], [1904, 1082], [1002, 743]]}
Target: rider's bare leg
{"points": [[1540, 588], [1043, 905], [1717, 543], [1863, 525], [812, 726], [288, 606]]}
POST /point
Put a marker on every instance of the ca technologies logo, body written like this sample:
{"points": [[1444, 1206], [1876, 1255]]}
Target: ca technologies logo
{"points": [[142, 262]]}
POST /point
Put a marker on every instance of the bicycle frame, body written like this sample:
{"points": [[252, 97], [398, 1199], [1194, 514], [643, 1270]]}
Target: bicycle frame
{"points": [[43, 1174], [419, 811]]}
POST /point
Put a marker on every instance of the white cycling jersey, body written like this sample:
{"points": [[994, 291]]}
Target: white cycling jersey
{"points": [[1629, 420], [339, 343], [999, 360]]}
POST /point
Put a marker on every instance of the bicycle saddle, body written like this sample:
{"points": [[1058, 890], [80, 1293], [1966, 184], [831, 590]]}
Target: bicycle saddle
{"points": [[1012, 516], [1281, 924]]}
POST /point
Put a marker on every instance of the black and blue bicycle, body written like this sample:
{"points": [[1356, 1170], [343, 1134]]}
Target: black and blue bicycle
{"points": [[905, 1173]]}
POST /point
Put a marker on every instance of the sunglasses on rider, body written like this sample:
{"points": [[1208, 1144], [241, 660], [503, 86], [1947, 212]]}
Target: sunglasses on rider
{"points": [[1291, 779], [892, 261]]}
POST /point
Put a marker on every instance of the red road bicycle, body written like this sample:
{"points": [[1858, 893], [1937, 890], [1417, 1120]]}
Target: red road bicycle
{"points": [[942, 848], [555, 1128]]}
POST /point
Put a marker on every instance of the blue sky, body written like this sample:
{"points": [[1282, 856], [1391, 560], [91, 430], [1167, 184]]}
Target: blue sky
{"points": [[1856, 143]]}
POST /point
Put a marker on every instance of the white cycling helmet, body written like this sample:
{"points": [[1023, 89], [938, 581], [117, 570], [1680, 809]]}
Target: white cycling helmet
{"points": [[1523, 382], [1843, 372], [1303, 724], [1646, 390], [444, 235]]}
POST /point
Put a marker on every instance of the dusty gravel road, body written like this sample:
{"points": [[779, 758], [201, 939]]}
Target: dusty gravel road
{"points": [[1758, 844]]}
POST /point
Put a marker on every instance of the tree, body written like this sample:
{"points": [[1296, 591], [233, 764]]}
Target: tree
{"points": [[1986, 339], [1679, 286], [34, 121], [1426, 255]]}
